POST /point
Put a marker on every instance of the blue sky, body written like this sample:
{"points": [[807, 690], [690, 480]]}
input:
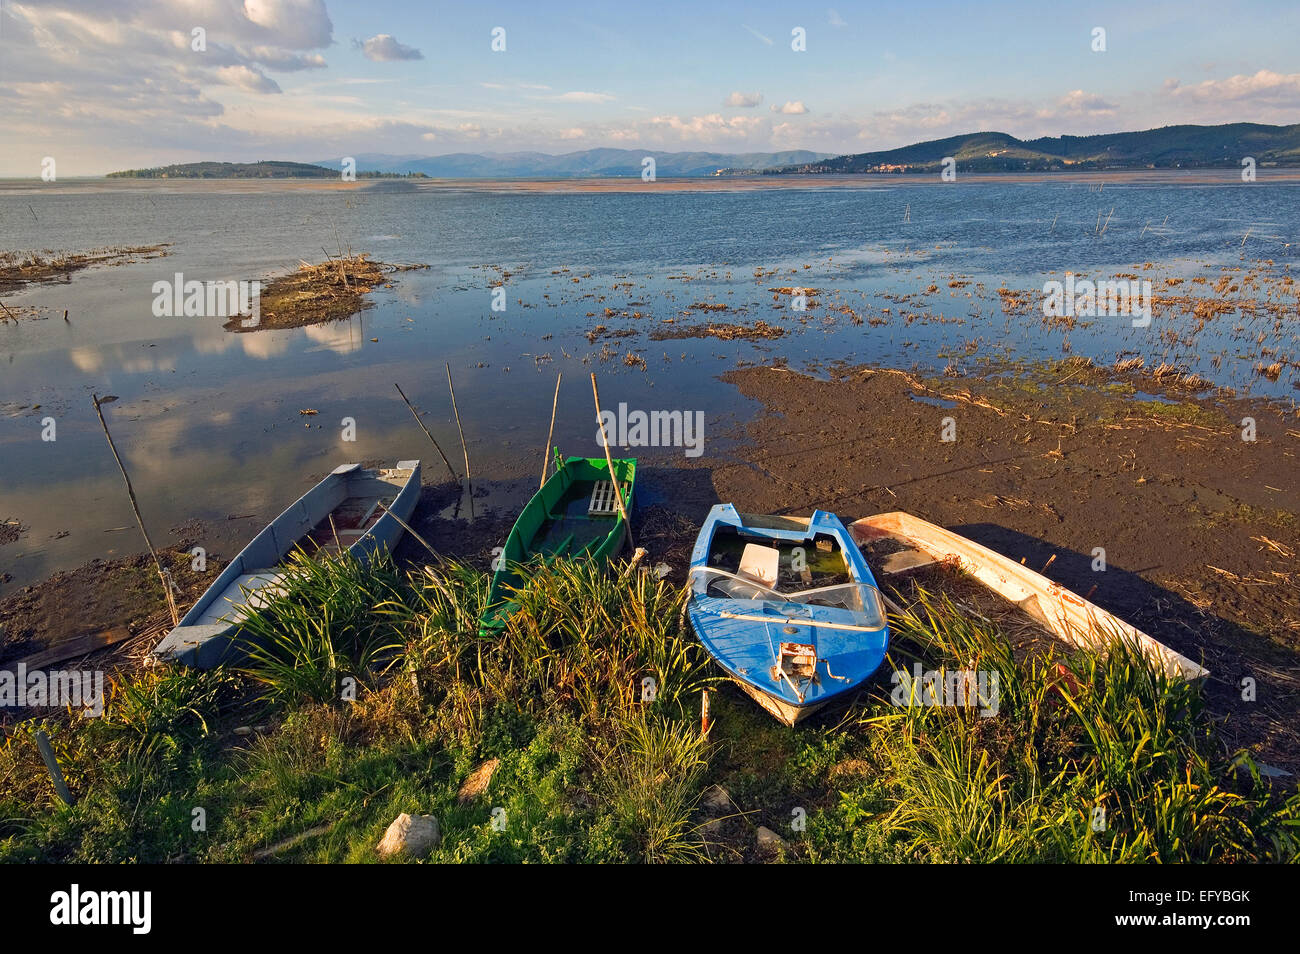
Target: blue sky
{"points": [[103, 84]]}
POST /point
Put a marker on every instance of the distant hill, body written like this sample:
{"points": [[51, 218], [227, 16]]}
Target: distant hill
{"points": [[1169, 147], [236, 170], [589, 163]]}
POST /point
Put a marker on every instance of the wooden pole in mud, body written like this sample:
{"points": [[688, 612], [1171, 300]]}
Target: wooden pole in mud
{"points": [[135, 508], [450, 469], [546, 451], [618, 491], [464, 449]]}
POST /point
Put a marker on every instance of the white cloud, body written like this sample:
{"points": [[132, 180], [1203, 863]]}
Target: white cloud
{"points": [[791, 108], [1263, 85], [706, 129], [765, 39], [743, 100], [247, 78], [384, 48], [1077, 101], [581, 96], [834, 19], [298, 24]]}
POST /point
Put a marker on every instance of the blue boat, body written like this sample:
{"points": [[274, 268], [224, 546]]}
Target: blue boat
{"points": [[760, 610]]}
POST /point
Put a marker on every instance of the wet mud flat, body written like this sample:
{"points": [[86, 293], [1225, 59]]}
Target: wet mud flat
{"points": [[117, 602], [1199, 529]]}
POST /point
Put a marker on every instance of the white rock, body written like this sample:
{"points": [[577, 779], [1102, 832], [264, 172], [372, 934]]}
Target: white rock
{"points": [[413, 835], [767, 838]]}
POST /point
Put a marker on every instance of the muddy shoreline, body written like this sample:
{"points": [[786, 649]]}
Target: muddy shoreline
{"points": [[20, 269], [1200, 528]]}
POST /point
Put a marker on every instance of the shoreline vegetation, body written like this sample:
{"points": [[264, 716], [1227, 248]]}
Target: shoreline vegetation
{"points": [[21, 268], [535, 745], [332, 290], [1053, 459]]}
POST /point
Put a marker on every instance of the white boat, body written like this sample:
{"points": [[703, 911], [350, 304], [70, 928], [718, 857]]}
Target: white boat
{"points": [[1065, 613], [354, 509]]}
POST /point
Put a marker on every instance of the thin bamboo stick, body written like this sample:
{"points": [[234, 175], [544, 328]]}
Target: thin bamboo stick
{"points": [[618, 491], [546, 451], [464, 448], [407, 527], [135, 507], [450, 469]]}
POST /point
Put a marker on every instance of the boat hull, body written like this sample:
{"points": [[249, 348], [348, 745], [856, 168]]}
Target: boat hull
{"points": [[748, 637], [1068, 615], [554, 524], [208, 635]]}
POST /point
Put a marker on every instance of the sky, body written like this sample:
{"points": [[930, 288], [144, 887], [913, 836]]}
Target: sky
{"points": [[100, 85]]}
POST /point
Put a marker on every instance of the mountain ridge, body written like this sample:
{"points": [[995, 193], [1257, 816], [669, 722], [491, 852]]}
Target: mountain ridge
{"points": [[1166, 147]]}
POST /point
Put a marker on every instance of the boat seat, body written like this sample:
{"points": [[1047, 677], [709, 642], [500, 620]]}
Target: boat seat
{"points": [[251, 590], [760, 563], [604, 501]]}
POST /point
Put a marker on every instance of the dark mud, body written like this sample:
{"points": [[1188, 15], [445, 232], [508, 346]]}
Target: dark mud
{"points": [[96, 596], [1199, 527]]}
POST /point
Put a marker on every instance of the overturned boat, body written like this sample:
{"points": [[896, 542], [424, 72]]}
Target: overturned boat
{"points": [[353, 510], [787, 607], [901, 543]]}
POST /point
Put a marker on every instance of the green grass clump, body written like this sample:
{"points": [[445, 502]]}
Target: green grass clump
{"points": [[1090, 758]]}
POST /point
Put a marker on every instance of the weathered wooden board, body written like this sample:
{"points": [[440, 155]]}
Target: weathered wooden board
{"points": [[71, 649]]}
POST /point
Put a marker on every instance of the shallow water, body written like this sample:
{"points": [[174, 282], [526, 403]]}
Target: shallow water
{"points": [[207, 420]]}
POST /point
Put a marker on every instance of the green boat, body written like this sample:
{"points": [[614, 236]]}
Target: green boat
{"points": [[574, 515]]}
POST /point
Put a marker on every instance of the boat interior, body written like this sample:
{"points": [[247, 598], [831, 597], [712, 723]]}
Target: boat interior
{"points": [[328, 520], [811, 572], [578, 521], [369, 495], [787, 566]]}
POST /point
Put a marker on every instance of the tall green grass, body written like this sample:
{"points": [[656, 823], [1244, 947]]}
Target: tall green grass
{"points": [[1090, 758], [320, 635], [1096, 757]]}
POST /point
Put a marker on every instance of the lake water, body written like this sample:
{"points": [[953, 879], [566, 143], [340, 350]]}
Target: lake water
{"points": [[207, 420]]}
